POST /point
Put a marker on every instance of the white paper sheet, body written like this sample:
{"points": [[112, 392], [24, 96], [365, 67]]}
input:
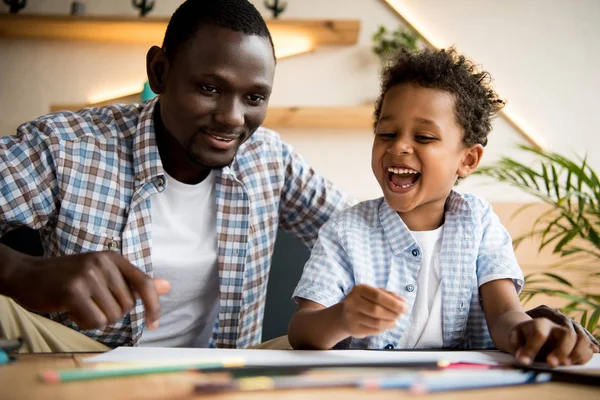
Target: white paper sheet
{"points": [[270, 358]]}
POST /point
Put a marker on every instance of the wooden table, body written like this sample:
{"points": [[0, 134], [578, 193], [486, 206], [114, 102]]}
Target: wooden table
{"points": [[18, 381]]}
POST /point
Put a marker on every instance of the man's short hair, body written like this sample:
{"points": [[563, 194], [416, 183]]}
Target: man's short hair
{"points": [[237, 15]]}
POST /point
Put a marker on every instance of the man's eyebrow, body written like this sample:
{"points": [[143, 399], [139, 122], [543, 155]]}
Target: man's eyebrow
{"points": [[262, 87]]}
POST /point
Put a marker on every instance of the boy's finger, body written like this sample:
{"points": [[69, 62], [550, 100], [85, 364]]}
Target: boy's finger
{"points": [[369, 309], [582, 352], [535, 334], [384, 299], [565, 340]]}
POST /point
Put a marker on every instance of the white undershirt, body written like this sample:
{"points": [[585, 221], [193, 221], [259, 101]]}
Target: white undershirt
{"points": [[425, 324], [184, 251]]}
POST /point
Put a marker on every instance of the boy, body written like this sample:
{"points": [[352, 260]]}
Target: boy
{"points": [[424, 266]]}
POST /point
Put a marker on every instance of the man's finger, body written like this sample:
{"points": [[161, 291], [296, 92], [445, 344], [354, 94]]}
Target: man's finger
{"points": [[162, 286], [581, 331], [144, 287], [87, 314]]}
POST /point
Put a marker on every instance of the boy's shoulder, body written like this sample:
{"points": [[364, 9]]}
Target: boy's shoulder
{"points": [[362, 215], [467, 204]]}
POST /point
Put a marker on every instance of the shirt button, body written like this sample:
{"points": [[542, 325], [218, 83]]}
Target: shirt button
{"points": [[389, 347], [410, 287], [112, 245], [160, 183], [415, 252], [139, 178]]}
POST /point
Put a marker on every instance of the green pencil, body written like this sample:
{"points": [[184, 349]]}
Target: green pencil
{"points": [[78, 374]]}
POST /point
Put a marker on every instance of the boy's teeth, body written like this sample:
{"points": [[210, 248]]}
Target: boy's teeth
{"points": [[401, 170]]}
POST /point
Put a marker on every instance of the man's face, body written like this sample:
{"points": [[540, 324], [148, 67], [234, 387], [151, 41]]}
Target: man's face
{"points": [[216, 93]]}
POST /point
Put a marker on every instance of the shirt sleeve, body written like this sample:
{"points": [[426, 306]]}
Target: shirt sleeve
{"points": [[496, 258], [28, 184], [308, 200], [327, 277]]}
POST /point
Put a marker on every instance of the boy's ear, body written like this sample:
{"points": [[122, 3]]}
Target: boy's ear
{"points": [[470, 160], [157, 68]]}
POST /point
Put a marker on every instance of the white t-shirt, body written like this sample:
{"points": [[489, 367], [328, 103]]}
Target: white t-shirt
{"points": [[425, 327], [184, 252]]}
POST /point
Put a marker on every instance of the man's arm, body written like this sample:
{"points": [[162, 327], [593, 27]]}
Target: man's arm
{"points": [[308, 200], [96, 289]]}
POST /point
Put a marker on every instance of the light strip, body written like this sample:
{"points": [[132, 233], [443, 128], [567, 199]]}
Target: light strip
{"points": [[516, 122]]}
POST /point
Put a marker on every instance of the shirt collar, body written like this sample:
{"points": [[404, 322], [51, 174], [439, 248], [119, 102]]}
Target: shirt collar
{"points": [[146, 158], [397, 233]]}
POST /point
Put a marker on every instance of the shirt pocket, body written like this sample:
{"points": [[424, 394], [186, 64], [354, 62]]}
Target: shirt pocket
{"points": [[86, 239]]}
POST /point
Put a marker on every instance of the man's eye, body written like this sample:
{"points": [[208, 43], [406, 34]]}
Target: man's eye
{"points": [[255, 98], [208, 89]]}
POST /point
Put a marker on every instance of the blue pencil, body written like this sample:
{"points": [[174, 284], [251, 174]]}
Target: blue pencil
{"points": [[483, 379]]}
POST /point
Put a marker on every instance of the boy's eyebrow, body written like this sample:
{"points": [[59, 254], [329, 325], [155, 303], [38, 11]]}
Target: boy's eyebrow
{"points": [[426, 121]]}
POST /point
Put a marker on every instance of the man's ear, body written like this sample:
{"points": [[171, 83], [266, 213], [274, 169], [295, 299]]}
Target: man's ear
{"points": [[157, 68], [470, 160]]}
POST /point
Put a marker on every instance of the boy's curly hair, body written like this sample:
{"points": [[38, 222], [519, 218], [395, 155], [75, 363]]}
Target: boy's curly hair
{"points": [[475, 100]]}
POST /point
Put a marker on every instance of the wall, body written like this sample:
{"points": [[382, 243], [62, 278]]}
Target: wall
{"points": [[35, 74]]}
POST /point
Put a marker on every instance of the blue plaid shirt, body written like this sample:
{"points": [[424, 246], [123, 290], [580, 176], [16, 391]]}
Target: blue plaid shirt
{"points": [[85, 179], [370, 244]]}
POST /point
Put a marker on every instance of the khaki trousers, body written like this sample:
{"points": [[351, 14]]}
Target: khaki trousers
{"points": [[42, 335]]}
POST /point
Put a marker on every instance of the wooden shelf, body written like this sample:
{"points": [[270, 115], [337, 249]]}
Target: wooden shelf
{"points": [[150, 31], [353, 117]]}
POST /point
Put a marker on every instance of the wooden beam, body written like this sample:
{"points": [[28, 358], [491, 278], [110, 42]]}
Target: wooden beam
{"points": [[150, 31], [354, 117]]}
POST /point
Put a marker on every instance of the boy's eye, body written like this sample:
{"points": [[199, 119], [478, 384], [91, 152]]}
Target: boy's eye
{"points": [[422, 138], [386, 135]]}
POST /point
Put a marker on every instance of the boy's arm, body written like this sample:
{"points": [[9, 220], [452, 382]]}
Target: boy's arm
{"points": [[366, 311], [515, 332]]}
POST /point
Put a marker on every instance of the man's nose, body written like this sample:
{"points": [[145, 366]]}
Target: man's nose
{"points": [[230, 113]]}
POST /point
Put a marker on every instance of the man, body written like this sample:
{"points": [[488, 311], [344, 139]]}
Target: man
{"points": [[187, 189]]}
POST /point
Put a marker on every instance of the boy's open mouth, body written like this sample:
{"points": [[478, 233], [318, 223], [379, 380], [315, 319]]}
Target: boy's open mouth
{"points": [[402, 177]]}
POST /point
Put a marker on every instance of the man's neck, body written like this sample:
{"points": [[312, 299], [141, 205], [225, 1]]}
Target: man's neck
{"points": [[173, 156]]}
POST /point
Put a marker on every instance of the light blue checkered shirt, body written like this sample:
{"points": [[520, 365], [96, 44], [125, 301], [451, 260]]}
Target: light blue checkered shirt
{"points": [[85, 179], [370, 244]]}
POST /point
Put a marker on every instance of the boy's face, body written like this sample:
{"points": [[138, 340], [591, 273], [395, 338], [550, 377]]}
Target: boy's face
{"points": [[418, 151]]}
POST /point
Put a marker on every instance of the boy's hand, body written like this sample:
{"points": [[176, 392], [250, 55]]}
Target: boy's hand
{"points": [[543, 339], [368, 311]]}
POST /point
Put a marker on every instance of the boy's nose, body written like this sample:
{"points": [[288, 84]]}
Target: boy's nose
{"points": [[400, 147]]}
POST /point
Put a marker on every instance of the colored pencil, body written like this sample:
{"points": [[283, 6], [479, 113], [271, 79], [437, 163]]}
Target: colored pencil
{"points": [[67, 375]]}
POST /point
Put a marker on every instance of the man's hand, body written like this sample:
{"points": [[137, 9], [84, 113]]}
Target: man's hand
{"points": [[560, 319], [368, 311], [545, 340], [97, 289]]}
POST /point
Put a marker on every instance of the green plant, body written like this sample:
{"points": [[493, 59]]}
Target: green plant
{"points": [[275, 8], [144, 6], [387, 42], [571, 227], [16, 5]]}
